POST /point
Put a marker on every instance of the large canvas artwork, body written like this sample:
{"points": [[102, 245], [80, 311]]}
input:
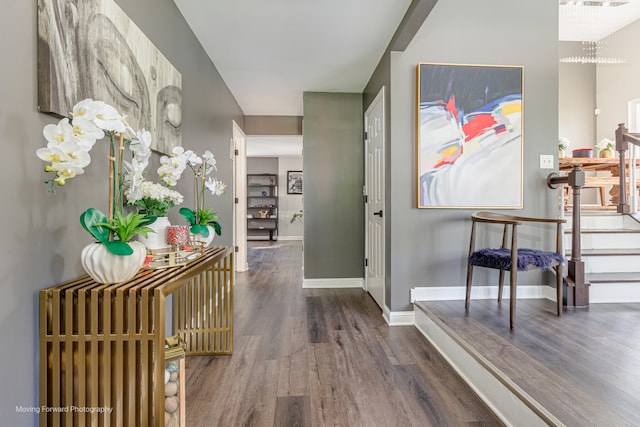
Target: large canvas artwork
{"points": [[469, 136], [91, 49]]}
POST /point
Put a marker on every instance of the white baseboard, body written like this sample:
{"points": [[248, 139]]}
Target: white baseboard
{"points": [[289, 237], [398, 318], [350, 282], [598, 293], [452, 293], [508, 401]]}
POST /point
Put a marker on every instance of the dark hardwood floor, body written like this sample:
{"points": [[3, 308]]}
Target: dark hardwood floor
{"points": [[584, 367], [321, 358]]}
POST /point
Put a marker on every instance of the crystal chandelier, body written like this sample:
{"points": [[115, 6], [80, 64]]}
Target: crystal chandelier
{"points": [[594, 24]]}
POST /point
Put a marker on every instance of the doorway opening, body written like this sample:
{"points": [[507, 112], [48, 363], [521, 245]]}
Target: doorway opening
{"points": [[274, 212]]}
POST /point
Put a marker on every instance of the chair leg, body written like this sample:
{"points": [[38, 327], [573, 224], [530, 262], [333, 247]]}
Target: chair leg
{"points": [[500, 285], [469, 277], [512, 306], [559, 286]]}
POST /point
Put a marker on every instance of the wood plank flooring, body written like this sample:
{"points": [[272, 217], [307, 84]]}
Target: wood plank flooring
{"points": [[584, 367], [321, 358]]}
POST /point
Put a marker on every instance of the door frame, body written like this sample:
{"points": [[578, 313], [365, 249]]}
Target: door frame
{"points": [[380, 98], [239, 142]]}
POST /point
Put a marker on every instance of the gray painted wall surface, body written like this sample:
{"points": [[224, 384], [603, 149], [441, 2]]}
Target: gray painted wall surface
{"points": [[333, 177], [576, 99], [289, 204], [262, 165], [273, 125], [616, 85], [429, 247], [42, 245]]}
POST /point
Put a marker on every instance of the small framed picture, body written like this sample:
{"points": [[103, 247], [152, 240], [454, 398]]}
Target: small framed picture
{"points": [[294, 182]]}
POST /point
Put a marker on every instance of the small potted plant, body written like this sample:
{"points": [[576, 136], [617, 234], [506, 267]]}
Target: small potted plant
{"points": [[114, 257], [154, 200], [563, 144], [605, 147], [203, 221]]}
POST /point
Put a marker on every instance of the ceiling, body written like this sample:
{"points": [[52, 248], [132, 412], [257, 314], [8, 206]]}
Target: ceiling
{"points": [[274, 146], [594, 20], [270, 52]]}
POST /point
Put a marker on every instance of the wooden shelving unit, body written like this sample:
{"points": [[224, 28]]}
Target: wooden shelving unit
{"points": [[262, 205]]}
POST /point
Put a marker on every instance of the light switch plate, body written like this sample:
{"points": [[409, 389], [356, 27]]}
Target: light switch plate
{"points": [[546, 161]]}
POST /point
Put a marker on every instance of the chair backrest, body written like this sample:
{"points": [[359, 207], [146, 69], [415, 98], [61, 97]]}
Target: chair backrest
{"points": [[511, 222]]}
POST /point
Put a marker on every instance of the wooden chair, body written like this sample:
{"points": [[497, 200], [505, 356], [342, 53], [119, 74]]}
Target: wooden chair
{"points": [[501, 259]]}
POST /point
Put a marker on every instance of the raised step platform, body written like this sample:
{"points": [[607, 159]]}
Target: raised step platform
{"points": [[578, 369]]}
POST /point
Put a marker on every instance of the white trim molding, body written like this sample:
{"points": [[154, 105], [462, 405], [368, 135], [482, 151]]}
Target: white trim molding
{"points": [[349, 282], [398, 318], [452, 293], [598, 293]]}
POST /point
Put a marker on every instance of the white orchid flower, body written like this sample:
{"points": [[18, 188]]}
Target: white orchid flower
{"points": [[85, 132], [67, 172], [57, 134], [217, 188], [76, 153], [108, 118], [141, 146], [86, 108], [209, 162], [193, 159], [53, 155]]}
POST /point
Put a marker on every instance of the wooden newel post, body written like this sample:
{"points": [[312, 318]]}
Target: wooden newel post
{"points": [[576, 288]]}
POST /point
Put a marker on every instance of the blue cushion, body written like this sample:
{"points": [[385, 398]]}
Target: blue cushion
{"points": [[527, 259]]}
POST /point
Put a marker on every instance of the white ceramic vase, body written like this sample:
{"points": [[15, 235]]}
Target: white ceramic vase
{"points": [[206, 241], [158, 239], [106, 268]]}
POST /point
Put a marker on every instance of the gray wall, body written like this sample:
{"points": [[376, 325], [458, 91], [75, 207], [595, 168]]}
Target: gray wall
{"points": [[429, 247], [616, 85], [576, 99], [289, 204], [273, 125], [41, 244], [262, 165], [333, 170]]}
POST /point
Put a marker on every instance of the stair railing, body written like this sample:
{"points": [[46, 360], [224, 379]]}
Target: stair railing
{"points": [[576, 287], [623, 139]]}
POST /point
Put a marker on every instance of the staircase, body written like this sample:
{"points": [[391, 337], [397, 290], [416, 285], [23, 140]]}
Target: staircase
{"points": [[611, 254]]}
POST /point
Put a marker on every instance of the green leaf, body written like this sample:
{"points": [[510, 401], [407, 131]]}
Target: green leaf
{"points": [[217, 227], [189, 215], [93, 220], [118, 248], [200, 229]]}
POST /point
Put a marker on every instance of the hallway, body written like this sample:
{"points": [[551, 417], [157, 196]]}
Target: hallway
{"points": [[321, 357]]}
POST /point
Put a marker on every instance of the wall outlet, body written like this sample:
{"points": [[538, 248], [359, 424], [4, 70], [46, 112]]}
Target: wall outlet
{"points": [[546, 161]]}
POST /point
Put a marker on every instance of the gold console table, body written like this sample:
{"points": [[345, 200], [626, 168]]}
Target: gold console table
{"points": [[102, 346]]}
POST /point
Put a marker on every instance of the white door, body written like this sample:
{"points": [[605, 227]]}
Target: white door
{"points": [[374, 194], [240, 198]]}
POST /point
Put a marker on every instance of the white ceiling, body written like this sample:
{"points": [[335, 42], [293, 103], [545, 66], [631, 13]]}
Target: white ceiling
{"points": [[594, 20], [274, 146], [270, 51]]}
